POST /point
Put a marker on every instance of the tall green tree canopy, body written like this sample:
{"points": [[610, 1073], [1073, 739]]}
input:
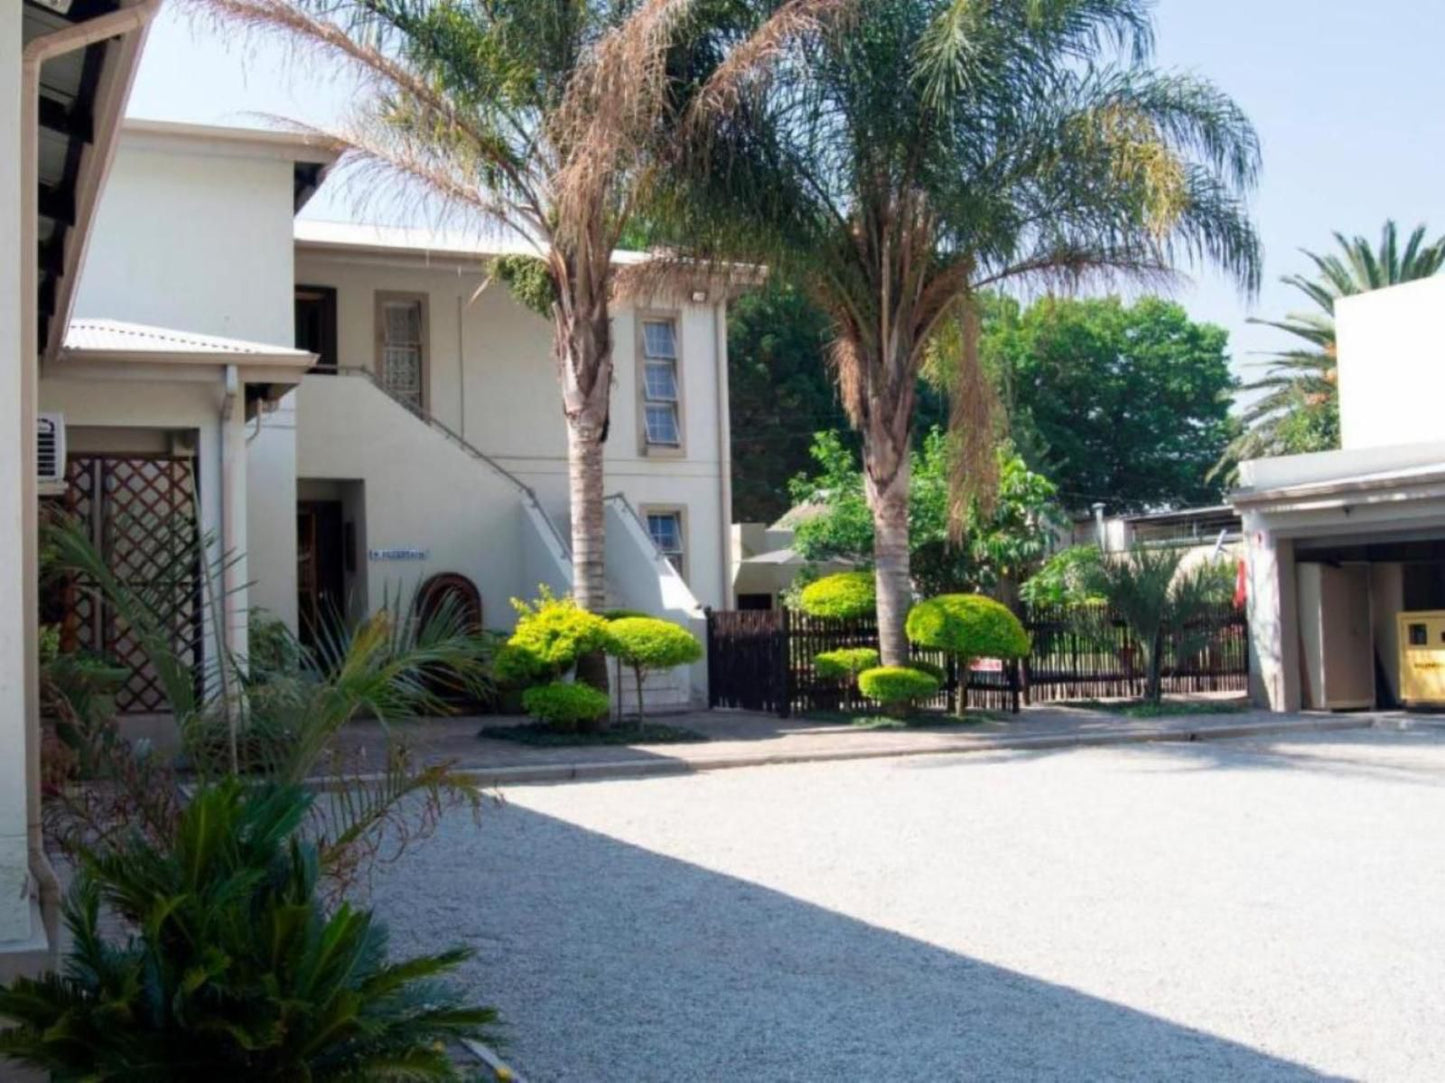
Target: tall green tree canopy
{"points": [[1297, 408], [1125, 404], [935, 149]]}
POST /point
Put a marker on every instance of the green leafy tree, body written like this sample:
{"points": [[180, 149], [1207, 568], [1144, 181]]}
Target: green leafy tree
{"points": [[779, 395], [237, 970], [1298, 404], [936, 149], [550, 120], [1003, 539], [1067, 578], [1127, 404], [646, 644]]}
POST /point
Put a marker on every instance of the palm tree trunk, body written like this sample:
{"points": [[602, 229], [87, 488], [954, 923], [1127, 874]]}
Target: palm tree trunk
{"points": [[889, 503], [589, 536]]}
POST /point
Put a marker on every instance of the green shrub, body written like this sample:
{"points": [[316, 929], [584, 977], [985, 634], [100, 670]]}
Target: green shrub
{"points": [[845, 665], [1067, 578], [568, 707], [273, 651], [235, 968], [898, 688], [968, 625], [848, 595], [645, 643], [552, 634]]}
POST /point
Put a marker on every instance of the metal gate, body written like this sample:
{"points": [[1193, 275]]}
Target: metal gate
{"points": [[140, 514]]}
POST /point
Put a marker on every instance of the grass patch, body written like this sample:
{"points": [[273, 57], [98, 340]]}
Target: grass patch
{"points": [[1167, 709], [541, 735]]}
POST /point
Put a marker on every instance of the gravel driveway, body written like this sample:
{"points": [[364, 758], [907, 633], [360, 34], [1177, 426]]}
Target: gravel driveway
{"points": [[1264, 909]]}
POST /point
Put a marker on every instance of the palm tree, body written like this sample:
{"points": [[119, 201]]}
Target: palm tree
{"points": [[1299, 405], [938, 149], [542, 118]]}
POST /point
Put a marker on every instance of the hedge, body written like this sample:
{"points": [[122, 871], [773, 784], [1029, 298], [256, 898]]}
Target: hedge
{"points": [[566, 706], [846, 664], [968, 625], [897, 686]]}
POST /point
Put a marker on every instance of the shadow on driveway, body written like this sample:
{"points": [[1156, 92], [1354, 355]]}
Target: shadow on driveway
{"points": [[611, 962]]}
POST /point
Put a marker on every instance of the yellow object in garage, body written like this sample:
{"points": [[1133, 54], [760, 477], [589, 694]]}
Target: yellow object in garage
{"points": [[1422, 658]]}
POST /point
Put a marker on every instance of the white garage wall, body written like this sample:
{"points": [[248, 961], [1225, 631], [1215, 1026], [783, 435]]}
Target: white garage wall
{"points": [[1391, 365]]}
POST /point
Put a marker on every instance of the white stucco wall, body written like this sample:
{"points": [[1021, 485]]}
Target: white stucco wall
{"points": [[492, 379], [271, 511], [14, 905], [194, 237], [422, 492], [1391, 364]]}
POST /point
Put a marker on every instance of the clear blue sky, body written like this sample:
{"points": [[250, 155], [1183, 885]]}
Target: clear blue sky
{"points": [[1346, 97]]}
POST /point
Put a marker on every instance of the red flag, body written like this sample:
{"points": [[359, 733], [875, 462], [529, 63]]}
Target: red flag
{"points": [[1241, 585]]}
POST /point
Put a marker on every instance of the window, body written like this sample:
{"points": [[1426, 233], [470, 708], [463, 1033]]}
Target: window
{"points": [[661, 402], [667, 533], [401, 332]]}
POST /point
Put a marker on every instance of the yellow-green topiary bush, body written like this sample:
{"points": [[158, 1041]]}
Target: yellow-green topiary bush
{"points": [[848, 595], [898, 688], [551, 634], [645, 643], [969, 626], [567, 707], [845, 665]]}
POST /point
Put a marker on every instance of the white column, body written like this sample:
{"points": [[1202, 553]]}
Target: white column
{"points": [[1274, 667], [15, 921]]}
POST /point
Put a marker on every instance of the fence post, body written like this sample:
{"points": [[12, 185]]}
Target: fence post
{"points": [[785, 654]]}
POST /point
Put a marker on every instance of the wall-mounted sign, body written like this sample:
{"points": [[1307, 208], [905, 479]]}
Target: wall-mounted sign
{"points": [[398, 554]]}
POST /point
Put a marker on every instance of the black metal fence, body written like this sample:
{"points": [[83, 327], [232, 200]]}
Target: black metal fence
{"points": [[763, 661]]}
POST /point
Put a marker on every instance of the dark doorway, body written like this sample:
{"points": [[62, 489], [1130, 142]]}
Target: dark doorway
{"points": [[316, 325], [321, 567], [755, 603]]}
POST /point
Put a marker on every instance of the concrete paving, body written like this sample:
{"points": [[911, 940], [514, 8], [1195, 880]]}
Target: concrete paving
{"points": [[1261, 908]]}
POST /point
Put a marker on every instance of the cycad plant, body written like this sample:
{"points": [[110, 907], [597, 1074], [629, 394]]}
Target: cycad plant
{"points": [[936, 149], [547, 120], [1298, 404], [235, 971], [1162, 606]]}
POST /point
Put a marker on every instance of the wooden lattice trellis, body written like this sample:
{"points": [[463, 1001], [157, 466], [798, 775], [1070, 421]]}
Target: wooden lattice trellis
{"points": [[141, 515]]}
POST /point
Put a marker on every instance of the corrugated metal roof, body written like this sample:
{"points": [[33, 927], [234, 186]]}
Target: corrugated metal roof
{"points": [[116, 336]]}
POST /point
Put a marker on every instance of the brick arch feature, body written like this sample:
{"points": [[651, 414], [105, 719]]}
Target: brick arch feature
{"points": [[434, 591]]}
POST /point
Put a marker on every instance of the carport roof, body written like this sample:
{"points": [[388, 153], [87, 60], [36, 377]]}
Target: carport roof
{"points": [[1344, 485]]}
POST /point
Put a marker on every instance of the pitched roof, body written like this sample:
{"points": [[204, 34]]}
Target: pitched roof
{"points": [[141, 340]]}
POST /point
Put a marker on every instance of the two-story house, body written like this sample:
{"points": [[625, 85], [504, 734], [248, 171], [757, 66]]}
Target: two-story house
{"points": [[360, 412]]}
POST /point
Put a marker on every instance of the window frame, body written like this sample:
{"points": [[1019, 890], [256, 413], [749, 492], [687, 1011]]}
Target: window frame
{"points": [[679, 510], [381, 299], [646, 447]]}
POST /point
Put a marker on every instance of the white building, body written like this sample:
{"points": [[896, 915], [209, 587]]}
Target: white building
{"points": [[353, 413], [1341, 544]]}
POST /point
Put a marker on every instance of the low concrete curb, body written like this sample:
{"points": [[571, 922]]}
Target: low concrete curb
{"points": [[538, 774]]}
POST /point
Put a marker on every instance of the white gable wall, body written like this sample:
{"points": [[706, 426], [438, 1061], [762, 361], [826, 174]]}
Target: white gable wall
{"points": [[193, 240], [1391, 365]]}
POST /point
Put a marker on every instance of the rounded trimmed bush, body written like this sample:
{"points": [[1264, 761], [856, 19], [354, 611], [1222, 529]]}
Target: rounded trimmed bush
{"points": [[652, 643], [623, 614], [848, 595], [897, 687], [968, 625], [566, 706], [646, 643], [846, 664]]}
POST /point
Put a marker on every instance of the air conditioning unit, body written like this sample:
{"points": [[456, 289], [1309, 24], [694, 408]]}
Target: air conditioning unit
{"points": [[50, 449]]}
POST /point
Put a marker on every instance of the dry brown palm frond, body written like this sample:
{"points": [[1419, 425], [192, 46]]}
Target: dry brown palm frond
{"points": [[670, 277], [608, 117], [750, 68], [973, 413], [847, 364]]}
